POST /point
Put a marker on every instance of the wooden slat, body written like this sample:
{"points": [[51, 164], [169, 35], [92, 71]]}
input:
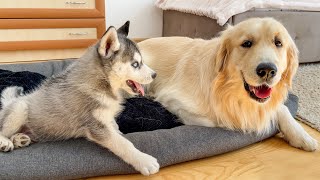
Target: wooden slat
{"points": [[33, 56], [99, 24], [48, 23], [54, 23], [47, 34], [137, 40], [52, 4], [49, 44], [28, 13]]}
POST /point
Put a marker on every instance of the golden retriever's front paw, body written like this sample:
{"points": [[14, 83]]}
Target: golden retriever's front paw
{"points": [[304, 141]]}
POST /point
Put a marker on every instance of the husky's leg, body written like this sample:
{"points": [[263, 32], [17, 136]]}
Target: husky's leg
{"points": [[13, 117], [105, 134], [120, 146], [5, 144], [116, 127]]}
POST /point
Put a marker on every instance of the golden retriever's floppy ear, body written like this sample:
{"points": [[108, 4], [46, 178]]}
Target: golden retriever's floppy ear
{"points": [[109, 43], [292, 63], [223, 52], [222, 55]]}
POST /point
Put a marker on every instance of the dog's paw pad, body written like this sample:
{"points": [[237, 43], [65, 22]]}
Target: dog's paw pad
{"points": [[147, 164], [5, 145], [20, 140]]}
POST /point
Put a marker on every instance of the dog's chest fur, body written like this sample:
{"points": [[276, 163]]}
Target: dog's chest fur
{"points": [[108, 110]]}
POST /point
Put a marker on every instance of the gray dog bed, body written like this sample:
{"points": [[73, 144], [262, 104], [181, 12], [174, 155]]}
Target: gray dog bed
{"points": [[79, 158]]}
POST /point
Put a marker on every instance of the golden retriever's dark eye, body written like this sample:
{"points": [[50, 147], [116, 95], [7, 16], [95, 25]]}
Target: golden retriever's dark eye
{"points": [[246, 44], [278, 43]]}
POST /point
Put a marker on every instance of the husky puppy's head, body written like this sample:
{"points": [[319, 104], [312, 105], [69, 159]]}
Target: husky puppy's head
{"points": [[123, 60]]}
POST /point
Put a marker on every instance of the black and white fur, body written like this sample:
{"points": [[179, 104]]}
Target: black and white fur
{"points": [[81, 102]]}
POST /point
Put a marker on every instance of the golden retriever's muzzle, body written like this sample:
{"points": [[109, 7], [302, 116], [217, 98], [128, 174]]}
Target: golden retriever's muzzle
{"points": [[265, 71]]}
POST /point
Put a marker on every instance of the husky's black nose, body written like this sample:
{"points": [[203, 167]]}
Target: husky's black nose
{"points": [[266, 70], [154, 75]]}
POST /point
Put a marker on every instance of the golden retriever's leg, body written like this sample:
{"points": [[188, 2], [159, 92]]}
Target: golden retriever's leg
{"points": [[188, 118], [293, 132]]}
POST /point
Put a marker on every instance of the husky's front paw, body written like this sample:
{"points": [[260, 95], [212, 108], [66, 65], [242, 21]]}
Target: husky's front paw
{"points": [[303, 141], [146, 164], [5, 144], [20, 140]]}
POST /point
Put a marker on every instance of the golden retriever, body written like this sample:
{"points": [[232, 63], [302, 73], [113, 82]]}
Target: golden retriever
{"points": [[239, 80]]}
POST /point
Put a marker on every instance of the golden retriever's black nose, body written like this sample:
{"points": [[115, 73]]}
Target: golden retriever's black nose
{"points": [[266, 70], [154, 75]]}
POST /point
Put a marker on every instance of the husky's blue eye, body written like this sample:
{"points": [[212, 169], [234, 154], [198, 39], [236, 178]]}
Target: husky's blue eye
{"points": [[135, 64]]}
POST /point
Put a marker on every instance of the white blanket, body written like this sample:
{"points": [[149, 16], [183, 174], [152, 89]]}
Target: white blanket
{"points": [[222, 10]]}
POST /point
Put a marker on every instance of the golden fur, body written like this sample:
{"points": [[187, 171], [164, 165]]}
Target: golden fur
{"points": [[202, 81]]}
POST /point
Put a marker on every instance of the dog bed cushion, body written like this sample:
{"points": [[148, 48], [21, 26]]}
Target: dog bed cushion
{"points": [[149, 126]]}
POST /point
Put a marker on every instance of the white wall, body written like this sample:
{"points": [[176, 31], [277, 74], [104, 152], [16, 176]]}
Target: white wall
{"points": [[145, 18]]}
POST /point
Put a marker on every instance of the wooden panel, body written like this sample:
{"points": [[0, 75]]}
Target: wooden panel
{"points": [[65, 12], [54, 23], [99, 24], [47, 34], [137, 40], [52, 4], [50, 44], [9, 57]]}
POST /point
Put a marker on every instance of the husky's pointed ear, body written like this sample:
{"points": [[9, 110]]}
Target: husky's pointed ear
{"points": [[124, 29], [109, 43]]}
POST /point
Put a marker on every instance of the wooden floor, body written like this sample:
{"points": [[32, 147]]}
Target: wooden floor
{"points": [[270, 159]]}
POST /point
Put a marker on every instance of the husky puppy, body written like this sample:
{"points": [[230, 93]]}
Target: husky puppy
{"points": [[82, 101]]}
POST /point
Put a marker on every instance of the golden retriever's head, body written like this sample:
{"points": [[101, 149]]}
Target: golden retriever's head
{"points": [[261, 53]]}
